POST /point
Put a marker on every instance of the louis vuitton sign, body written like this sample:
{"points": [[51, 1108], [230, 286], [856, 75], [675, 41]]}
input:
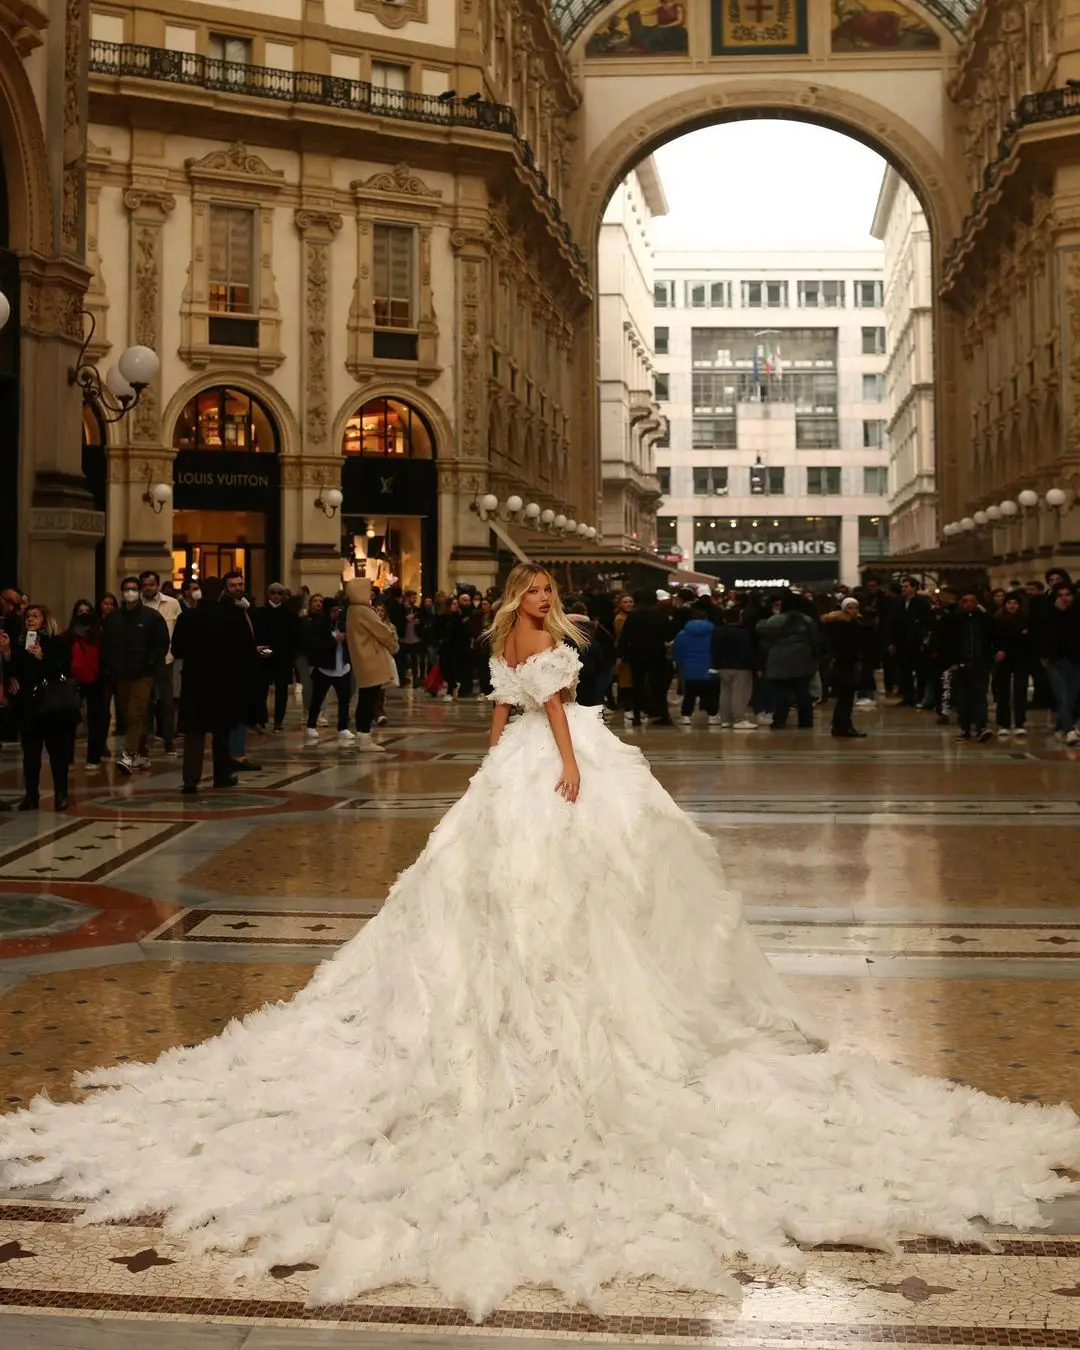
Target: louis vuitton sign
{"points": [[207, 480]]}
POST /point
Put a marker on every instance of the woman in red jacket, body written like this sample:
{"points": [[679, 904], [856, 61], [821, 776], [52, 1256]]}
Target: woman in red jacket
{"points": [[84, 638]]}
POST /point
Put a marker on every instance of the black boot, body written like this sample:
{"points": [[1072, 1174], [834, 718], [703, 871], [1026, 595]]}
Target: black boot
{"points": [[28, 803]]}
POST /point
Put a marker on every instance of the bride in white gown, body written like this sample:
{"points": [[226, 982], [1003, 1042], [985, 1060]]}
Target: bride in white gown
{"points": [[557, 1056]]}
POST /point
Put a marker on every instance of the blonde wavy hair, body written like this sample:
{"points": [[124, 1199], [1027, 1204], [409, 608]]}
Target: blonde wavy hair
{"points": [[556, 623]]}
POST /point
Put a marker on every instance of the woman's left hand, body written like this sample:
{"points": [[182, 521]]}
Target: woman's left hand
{"points": [[35, 652]]}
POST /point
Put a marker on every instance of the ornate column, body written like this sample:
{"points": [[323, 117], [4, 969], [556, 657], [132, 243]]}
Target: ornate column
{"points": [[465, 549], [137, 536], [309, 538]]}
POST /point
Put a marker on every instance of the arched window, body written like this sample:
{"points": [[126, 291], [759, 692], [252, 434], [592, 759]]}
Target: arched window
{"points": [[389, 429], [223, 418]]}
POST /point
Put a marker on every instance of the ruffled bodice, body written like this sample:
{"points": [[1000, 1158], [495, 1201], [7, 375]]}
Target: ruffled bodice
{"points": [[531, 683]]}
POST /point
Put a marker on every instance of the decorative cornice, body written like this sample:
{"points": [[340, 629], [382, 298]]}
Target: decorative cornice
{"points": [[400, 181], [236, 164]]}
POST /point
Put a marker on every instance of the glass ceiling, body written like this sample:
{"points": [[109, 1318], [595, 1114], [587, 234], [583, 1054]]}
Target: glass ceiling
{"points": [[572, 16]]}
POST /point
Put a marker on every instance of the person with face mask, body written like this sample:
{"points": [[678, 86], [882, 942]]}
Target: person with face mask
{"points": [[84, 640], [135, 642], [40, 658]]}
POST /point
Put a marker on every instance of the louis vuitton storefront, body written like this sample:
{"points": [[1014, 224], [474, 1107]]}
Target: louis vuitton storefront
{"points": [[390, 487]]}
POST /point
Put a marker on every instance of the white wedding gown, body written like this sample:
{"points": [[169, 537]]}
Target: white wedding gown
{"points": [[557, 1056]]}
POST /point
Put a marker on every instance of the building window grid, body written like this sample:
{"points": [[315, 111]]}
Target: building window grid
{"points": [[823, 482], [664, 294], [873, 342], [232, 260], [715, 433], [817, 433], [661, 340], [873, 388], [661, 387], [711, 481], [868, 294], [707, 294], [663, 479], [875, 481], [873, 434], [764, 294], [394, 275], [821, 295]]}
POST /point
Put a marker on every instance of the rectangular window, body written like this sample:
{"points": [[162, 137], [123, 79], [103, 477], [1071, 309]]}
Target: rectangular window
{"points": [[661, 337], [873, 388], [708, 294], [232, 260], [667, 533], [664, 294], [226, 47], [394, 276], [775, 482], [662, 387], [875, 481], [384, 75], [720, 295], [817, 433], [821, 295], [715, 433], [663, 477], [823, 482], [873, 342], [764, 294], [873, 435], [697, 295], [869, 294], [873, 538], [711, 481]]}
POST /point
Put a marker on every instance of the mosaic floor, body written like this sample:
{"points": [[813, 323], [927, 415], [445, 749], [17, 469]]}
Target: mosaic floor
{"points": [[920, 895]]}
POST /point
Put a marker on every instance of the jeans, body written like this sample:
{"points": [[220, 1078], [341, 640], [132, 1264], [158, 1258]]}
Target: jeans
{"points": [[786, 692], [132, 706], [969, 694], [410, 661], [97, 719], [736, 688], [58, 738], [1064, 677], [194, 748], [321, 684], [703, 692], [1010, 693]]}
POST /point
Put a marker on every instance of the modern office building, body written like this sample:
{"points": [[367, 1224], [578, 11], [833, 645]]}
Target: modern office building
{"points": [[771, 370]]}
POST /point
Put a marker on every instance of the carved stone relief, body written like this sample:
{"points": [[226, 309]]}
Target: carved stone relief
{"points": [[395, 13], [73, 179], [317, 227], [149, 206]]}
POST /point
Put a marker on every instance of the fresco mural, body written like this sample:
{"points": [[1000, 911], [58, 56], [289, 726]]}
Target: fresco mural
{"points": [[642, 28], [880, 26], [758, 27]]}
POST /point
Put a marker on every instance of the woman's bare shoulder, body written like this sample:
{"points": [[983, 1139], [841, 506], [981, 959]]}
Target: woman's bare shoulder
{"points": [[521, 645]]}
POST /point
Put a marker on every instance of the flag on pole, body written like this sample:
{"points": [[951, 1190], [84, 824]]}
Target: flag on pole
{"points": [[778, 363], [757, 367], [768, 357]]}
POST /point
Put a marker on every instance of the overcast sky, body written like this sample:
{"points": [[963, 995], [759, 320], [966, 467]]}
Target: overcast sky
{"points": [[769, 184]]}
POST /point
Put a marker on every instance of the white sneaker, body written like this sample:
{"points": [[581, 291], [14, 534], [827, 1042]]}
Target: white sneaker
{"points": [[141, 762], [365, 745], [685, 721], [764, 719], [1072, 737], [1020, 731], [311, 734], [866, 703], [747, 726], [716, 722], [345, 738], [446, 698], [125, 763], [322, 720], [1004, 733]]}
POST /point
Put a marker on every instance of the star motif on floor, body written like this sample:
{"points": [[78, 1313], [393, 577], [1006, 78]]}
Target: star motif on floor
{"points": [[14, 1251], [1074, 1292], [914, 1289], [1058, 941], [958, 939], [318, 928], [242, 924], [141, 1261]]}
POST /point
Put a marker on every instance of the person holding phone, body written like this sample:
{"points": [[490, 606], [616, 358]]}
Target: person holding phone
{"points": [[37, 657]]}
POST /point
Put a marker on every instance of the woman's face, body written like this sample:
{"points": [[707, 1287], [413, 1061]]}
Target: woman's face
{"points": [[35, 620], [626, 603], [335, 613], [998, 597], [380, 610], [84, 612], [1012, 605], [316, 605], [485, 606], [536, 602], [108, 604], [453, 606]]}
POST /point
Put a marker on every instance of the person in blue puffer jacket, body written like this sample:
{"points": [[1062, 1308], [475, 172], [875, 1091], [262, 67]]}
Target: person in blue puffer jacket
{"points": [[693, 656]]}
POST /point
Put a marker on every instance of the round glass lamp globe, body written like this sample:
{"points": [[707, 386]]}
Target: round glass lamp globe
{"points": [[1056, 497], [532, 511], [590, 533], [333, 497], [981, 518], [5, 310], [514, 504], [571, 525], [547, 516], [489, 501], [967, 523], [1028, 498], [139, 365], [993, 512], [559, 522], [1009, 508], [118, 386], [161, 492]]}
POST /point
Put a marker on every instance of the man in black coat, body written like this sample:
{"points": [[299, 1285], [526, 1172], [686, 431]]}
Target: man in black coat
{"points": [[135, 642], [277, 637], [214, 643], [909, 619], [643, 646], [967, 654]]}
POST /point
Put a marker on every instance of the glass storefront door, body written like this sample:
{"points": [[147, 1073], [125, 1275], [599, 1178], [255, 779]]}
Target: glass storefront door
{"points": [[212, 543]]}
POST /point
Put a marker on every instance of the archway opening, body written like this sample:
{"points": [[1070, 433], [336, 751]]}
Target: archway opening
{"points": [[390, 487], [780, 345], [226, 488]]}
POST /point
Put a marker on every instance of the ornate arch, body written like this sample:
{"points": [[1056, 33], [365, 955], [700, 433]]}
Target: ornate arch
{"points": [[730, 100], [288, 430], [433, 414], [26, 159]]}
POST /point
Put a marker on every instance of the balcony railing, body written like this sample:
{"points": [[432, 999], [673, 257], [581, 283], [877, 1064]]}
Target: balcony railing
{"points": [[128, 60], [131, 61]]}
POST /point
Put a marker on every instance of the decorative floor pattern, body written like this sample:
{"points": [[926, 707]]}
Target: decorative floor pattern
{"points": [[919, 897]]}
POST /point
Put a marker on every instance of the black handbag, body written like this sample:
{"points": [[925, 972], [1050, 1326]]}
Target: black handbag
{"points": [[57, 700]]}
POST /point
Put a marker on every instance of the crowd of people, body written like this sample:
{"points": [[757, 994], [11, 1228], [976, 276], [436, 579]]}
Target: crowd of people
{"points": [[205, 661]]}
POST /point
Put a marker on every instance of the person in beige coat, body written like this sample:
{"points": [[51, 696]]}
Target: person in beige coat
{"points": [[372, 644]]}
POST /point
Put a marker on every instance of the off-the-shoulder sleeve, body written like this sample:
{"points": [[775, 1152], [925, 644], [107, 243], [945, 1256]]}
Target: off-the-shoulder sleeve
{"points": [[504, 688], [549, 672]]}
